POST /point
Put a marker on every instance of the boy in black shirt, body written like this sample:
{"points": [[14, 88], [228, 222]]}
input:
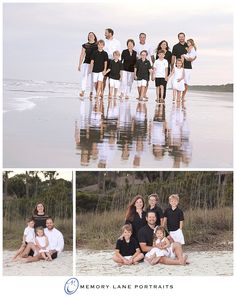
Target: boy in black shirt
{"points": [[127, 248], [174, 217], [98, 67], [142, 71], [114, 69], [153, 201]]}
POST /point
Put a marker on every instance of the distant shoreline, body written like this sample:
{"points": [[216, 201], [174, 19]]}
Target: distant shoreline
{"points": [[228, 88]]}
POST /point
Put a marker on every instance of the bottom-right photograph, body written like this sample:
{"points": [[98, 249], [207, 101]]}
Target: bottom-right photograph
{"points": [[154, 223]]}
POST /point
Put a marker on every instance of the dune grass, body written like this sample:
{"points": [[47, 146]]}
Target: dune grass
{"points": [[13, 232], [101, 230]]}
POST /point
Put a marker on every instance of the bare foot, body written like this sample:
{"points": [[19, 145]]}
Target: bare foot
{"points": [[126, 97], [81, 94]]}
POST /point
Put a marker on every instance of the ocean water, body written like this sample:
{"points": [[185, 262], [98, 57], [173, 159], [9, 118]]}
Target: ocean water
{"points": [[61, 130]]}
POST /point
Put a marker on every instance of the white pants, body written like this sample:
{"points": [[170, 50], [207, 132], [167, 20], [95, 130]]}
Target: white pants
{"points": [[87, 78], [126, 82]]}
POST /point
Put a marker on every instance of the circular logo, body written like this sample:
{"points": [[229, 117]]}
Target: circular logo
{"points": [[71, 286]]}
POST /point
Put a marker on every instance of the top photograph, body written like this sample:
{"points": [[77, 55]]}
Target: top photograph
{"points": [[103, 85]]}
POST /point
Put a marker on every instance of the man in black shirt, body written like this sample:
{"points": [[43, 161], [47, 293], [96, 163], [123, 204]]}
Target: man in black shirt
{"points": [[145, 237], [178, 50]]}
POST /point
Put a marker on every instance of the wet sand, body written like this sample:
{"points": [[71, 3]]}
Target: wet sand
{"points": [[63, 265], [207, 263], [66, 132]]}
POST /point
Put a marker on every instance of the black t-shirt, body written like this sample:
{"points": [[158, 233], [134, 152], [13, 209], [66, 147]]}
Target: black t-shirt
{"points": [[173, 218], [137, 223], [180, 49], [89, 49], [99, 59], [143, 69], [159, 214], [127, 248], [115, 67], [168, 57], [145, 235], [128, 60], [40, 220]]}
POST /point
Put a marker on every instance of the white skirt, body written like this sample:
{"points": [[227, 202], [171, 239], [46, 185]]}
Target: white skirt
{"points": [[177, 236]]}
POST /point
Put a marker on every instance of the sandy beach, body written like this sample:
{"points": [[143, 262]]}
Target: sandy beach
{"points": [[46, 125], [63, 265], [211, 263]]}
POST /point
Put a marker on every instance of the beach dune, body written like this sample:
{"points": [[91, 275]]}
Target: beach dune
{"points": [[63, 265], [211, 263]]}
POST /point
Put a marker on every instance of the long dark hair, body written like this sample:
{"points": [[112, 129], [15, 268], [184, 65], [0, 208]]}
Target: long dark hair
{"points": [[35, 212], [95, 37], [132, 209], [159, 46]]}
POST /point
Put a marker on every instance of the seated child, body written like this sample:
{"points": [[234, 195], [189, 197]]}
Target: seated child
{"points": [[161, 247], [42, 244], [127, 248], [28, 237]]}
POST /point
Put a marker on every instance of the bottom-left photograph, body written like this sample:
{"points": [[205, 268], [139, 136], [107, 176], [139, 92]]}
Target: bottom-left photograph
{"points": [[37, 223]]}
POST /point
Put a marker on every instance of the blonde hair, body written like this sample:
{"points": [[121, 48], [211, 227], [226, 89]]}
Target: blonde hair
{"points": [[117, 53], [127, 227], [174, 196], [192, 43]]}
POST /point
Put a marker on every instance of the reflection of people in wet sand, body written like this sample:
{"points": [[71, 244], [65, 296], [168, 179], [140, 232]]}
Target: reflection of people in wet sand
{"points": [[178, 135], [140, 132], [158, 132]]}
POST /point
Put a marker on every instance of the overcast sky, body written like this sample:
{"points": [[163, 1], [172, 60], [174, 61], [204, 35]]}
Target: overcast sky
{"points": [[43, 41], [67, 175]]}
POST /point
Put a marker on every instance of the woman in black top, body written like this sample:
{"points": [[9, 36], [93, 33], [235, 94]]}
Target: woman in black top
{"points": [[128, 58], [135, 215], [163, 45], [39, 215], [84, 62]]}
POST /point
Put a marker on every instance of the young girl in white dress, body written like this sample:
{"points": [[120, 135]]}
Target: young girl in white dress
{"points": [[178, 79], [191, 50], [161, 247], [42, 244]]}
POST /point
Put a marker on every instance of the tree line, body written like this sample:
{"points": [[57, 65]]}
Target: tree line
{"points": [[22, 191], [99, 191]]}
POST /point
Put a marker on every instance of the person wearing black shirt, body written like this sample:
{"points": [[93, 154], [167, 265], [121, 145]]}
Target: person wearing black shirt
{"points": [[178, 50], [39, 215], [135, 215], [114, 70], [145, 238], [84, 63], [163, 45], [152, 201], [128, 58], [142, 71], [98, 66], [174, 217], [127, 248]]}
